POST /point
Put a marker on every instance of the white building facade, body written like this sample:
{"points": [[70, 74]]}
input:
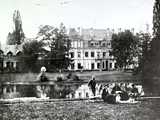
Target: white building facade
{"points": [[90, 49]]}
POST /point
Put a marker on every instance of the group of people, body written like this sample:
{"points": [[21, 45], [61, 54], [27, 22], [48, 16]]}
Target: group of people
{"points": [[121, 93], [116, 92]]}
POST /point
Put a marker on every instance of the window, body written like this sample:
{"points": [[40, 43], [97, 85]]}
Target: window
{"points": [[79, 54], [79, 66], [92, 44], [80, 95], [108, 44], [72, 54], [98, 65], [92, 66], [110, 65], [86, 54], [98, 54], [92, 54], [103, 44], [73, 96], [104, 54], [9, 54], [87, 95], [96, 44], [103, 64], [72, 66]]}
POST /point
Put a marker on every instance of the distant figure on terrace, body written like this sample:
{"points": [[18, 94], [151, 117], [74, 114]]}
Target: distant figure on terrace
{"points": [[42, 76], [92, 85]]}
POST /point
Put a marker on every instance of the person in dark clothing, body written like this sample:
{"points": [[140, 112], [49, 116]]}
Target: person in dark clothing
{"points": [[104, 94], [115, 88], [124, 95], [134, 91], [92, 85], [42, 76]]}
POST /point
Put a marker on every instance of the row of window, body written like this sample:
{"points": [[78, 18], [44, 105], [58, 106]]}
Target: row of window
{"points": [[102, 45], [93, 65], [86, 54], [92, 44]]}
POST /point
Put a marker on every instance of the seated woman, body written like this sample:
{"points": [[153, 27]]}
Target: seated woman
{"points": [[134, 91], [42, 76]]}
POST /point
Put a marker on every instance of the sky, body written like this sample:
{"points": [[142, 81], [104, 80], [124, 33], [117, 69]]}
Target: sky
{"points": [[102, 14]]}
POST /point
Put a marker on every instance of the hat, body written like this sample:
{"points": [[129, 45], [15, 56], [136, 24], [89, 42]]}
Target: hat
{"points": [[43, 69]]}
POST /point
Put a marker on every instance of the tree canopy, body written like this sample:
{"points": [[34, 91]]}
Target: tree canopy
{"points": [[124, 48], [31, 50], [151, 71], [58, 42]]}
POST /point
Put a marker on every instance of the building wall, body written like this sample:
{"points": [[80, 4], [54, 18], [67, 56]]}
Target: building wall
{"points": [[10, 57], [90, 58]]}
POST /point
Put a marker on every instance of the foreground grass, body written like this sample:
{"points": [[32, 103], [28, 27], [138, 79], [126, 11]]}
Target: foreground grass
{"points": [[81, 110]]}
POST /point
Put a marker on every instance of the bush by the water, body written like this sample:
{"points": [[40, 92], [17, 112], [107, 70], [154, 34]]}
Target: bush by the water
{"points": [[75, 78], [59, 79]]}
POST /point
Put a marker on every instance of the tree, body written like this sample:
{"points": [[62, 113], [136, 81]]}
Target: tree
{"points": [[124, 48], [151, 71], [153, 68], [59, 45], [17, 36], [144, 50], [31, 50]]}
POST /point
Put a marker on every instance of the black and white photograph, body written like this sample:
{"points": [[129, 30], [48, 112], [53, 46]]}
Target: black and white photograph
{"points": [[79, 59]]}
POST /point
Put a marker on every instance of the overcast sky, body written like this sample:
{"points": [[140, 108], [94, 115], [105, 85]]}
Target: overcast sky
{"points": [[105, 14]]}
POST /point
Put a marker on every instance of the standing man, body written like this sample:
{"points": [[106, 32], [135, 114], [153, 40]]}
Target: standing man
{"points": [[92, 85]]}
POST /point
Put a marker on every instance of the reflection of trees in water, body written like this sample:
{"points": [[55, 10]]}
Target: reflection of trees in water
{"points": [[62, 90], [42, 90], [27, 90]]}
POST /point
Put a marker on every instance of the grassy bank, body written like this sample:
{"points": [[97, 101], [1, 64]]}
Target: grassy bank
{"points": [[103, 75], [80, 110]]}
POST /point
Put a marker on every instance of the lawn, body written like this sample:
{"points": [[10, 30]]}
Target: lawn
{"points": [[81, 110], [100, 76]]}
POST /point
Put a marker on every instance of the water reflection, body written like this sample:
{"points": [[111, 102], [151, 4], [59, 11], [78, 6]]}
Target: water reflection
{"points": [[54, 90]]}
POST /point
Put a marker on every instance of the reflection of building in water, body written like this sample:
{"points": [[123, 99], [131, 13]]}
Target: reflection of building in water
{"points": [[85, 92]]}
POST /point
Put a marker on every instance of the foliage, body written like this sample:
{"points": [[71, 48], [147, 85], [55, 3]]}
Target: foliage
{"points": [[17, 36], [59, 44], [156, 19], [153, 67], [31, 50], [124, 48], [144, 50]]}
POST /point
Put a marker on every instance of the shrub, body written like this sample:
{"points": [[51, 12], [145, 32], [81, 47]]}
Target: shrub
{"points": [[59, 79]]}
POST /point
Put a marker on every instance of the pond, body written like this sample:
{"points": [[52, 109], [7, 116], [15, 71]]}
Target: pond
{"points": [[53, 90]]}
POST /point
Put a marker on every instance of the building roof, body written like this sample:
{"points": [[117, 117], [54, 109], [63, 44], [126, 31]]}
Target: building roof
{"points": [[11, 48], [90, 34], [95, 34]]}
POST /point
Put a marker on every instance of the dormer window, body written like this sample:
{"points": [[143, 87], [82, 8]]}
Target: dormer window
{"points": [[9, 54], [103, 44]]}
